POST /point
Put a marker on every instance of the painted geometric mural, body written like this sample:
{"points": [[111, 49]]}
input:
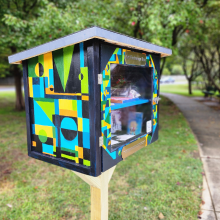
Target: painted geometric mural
{"points": [[59, 104], [118, 57]]}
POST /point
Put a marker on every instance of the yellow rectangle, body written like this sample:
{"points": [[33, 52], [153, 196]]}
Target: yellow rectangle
{"points": [[85, 98], [48, 129], [65, 104], [65, 112], [80, 152], [34, 144], [30, 83], [80, 124], [48, 63]]}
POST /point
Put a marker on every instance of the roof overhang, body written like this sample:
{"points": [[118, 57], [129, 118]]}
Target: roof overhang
{"points": [[87, 34]]}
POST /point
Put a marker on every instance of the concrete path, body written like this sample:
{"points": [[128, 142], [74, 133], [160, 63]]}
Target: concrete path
{"points": [[205, 123], [8, 88]]}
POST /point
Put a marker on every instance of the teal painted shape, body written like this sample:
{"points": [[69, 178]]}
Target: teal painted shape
{"points": [[86, 125], [69, 123], [47, 148], [40, 116]]}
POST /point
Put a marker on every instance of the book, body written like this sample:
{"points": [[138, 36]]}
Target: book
{"points": [[115, 121], [135, 121]]}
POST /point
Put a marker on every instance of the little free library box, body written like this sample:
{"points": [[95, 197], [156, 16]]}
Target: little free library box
{"points": [[91, 98]]}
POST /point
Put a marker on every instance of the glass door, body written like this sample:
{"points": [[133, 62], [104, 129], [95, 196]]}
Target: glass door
{"points": [[131, 107]]}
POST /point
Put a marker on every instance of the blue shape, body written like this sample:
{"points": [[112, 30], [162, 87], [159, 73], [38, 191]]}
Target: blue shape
{"points": [[107, 111], [130, 103], [69, 123], [36, 81], [33, 128], [68, 144], [47, 148], [154, 127], [103, 129], [86, 140], [42, 87], [79, 108], [51, 77], [81, 55], [119, 51], [40, 117], [36, 91], [56, 102], [86, 125], [112, 57], [46, 82]]}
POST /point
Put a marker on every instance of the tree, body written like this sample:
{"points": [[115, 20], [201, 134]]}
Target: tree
{"points": [[10, 41], [207, 44], [25, 24]]}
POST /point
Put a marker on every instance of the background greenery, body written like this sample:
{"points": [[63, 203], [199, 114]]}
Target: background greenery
{"points": [[165, 177]]}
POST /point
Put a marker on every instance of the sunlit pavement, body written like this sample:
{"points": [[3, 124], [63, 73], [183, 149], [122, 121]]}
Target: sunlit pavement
{"points": [[205, 124]]}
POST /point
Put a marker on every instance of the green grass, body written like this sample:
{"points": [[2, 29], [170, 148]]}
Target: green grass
{"points": [[163, 177], [181, 89]]}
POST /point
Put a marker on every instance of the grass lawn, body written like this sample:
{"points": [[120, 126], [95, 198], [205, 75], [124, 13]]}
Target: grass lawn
{"points": [[164, 177], [181, 89]]}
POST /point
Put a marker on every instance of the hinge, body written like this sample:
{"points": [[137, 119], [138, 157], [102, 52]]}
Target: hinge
{"points": [[100, 141], [100, 79], [157, 99]]}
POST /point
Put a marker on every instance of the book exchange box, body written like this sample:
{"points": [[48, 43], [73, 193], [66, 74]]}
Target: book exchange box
{"points": [[91, 98]]}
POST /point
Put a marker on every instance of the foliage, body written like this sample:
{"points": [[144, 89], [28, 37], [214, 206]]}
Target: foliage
{"points": [[166, 72], [172, 24], [177, 70], [160, 178], [201, 47]]}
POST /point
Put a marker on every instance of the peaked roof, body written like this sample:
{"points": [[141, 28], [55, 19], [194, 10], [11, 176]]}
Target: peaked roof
{"points": [[84, 35]]}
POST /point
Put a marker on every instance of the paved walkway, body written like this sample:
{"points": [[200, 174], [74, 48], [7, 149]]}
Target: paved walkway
{"points": [[8, 88], [205, 123]]}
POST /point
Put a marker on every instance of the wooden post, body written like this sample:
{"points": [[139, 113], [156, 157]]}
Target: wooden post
{"points": [[99, 193]]}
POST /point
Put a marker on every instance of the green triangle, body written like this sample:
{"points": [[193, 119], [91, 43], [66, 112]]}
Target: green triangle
{"points": [[48, 108], [31, 66], [107, 120], [116, 51], [67, 58], [58, 59]]}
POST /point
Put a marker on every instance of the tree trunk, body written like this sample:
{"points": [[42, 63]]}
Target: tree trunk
{"points": [[19, 103], [16, 72], [190, 86]]}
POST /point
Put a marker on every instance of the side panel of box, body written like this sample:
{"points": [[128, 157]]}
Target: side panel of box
{"points": [[111, 54], [156, 59], [59, 101]]}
